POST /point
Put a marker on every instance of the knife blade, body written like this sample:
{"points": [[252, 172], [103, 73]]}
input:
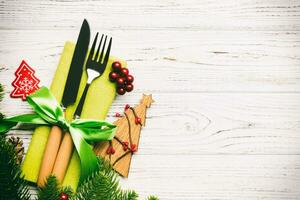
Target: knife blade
{"points": [[69, 98], [76, 68]]}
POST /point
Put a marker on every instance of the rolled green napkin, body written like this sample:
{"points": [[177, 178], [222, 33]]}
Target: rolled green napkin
{"points": [[97, 103]]}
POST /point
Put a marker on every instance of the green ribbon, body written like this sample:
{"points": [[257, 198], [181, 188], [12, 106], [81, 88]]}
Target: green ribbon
{"points": [[83, 131]]}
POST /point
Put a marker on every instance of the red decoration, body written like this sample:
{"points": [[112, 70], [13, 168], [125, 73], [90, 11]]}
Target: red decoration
{"points": [[124, 72], [113, 151], [113, 76], [117, 66], [130, 78], [125, 146], [120, 81], [138, 120], [121, 91], [118, 115], [110, 150], [133, 148], [126, 106], [25, 82], [129, 87], [122, 78], [64, 196]]}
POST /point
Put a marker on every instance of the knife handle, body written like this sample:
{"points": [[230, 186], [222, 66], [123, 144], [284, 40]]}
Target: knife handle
{"points": [[63, 158], [50, 153], [81, 102]]}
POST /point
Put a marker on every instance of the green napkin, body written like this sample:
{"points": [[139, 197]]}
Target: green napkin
{"points": [[97, 103]]}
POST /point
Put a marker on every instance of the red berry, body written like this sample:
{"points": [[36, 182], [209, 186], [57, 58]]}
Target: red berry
{"points": [[125, 144], [121, 91], [138, 120], [64, 196], [120, 81], [130, 78], [117, 66], [124, 72], [112, 150], [133, 148], [127, 106], [117, 115], [113, 76], [129, 87]]}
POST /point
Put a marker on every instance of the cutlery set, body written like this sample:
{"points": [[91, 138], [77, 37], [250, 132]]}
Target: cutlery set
{"points": [[59, 146]]}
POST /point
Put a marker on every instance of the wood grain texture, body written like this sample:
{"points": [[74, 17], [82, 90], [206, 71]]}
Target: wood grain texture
{"points": [[264, 124], [189, 61], [225, 77], [152, 14], [226, 177]]}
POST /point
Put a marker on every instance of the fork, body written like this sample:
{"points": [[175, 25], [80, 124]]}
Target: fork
{"points": [[94, 67]]}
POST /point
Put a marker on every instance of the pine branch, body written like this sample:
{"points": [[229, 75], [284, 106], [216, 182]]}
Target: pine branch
{"points": [[152, 198], [52, 190], [103, 185], [1, 97], [12, 184], [1, 92]]}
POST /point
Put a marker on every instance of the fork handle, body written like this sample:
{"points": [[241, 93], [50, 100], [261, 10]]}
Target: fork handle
{"points": [[81, 102]]}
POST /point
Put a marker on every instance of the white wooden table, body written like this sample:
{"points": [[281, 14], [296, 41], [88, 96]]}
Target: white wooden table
{"points": [[225, 76]]}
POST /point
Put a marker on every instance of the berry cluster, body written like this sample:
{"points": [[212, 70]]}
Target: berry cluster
{"points": [[122, 78]]}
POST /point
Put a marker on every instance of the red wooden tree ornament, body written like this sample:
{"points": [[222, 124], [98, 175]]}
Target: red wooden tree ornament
{"points": [[25, 82]]}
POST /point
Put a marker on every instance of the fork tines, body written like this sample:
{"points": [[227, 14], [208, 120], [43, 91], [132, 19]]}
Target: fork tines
{"points": [[95, 57]]}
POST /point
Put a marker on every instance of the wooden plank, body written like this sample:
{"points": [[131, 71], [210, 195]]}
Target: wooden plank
{"points": [[189, 61], [152, 15], [215, 177], [198, 124]]}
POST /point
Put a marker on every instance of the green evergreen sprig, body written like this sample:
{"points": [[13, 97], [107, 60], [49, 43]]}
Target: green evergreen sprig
{"points": [[103, 185], [1, 92], [152, 198], [52, 190], [12, 184], [1, 97]]}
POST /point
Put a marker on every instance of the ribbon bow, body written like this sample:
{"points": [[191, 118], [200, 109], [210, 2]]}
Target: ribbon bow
{"points": [[83, 131]]}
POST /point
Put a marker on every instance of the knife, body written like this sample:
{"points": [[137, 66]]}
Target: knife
{"points": [[69, 98]]}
